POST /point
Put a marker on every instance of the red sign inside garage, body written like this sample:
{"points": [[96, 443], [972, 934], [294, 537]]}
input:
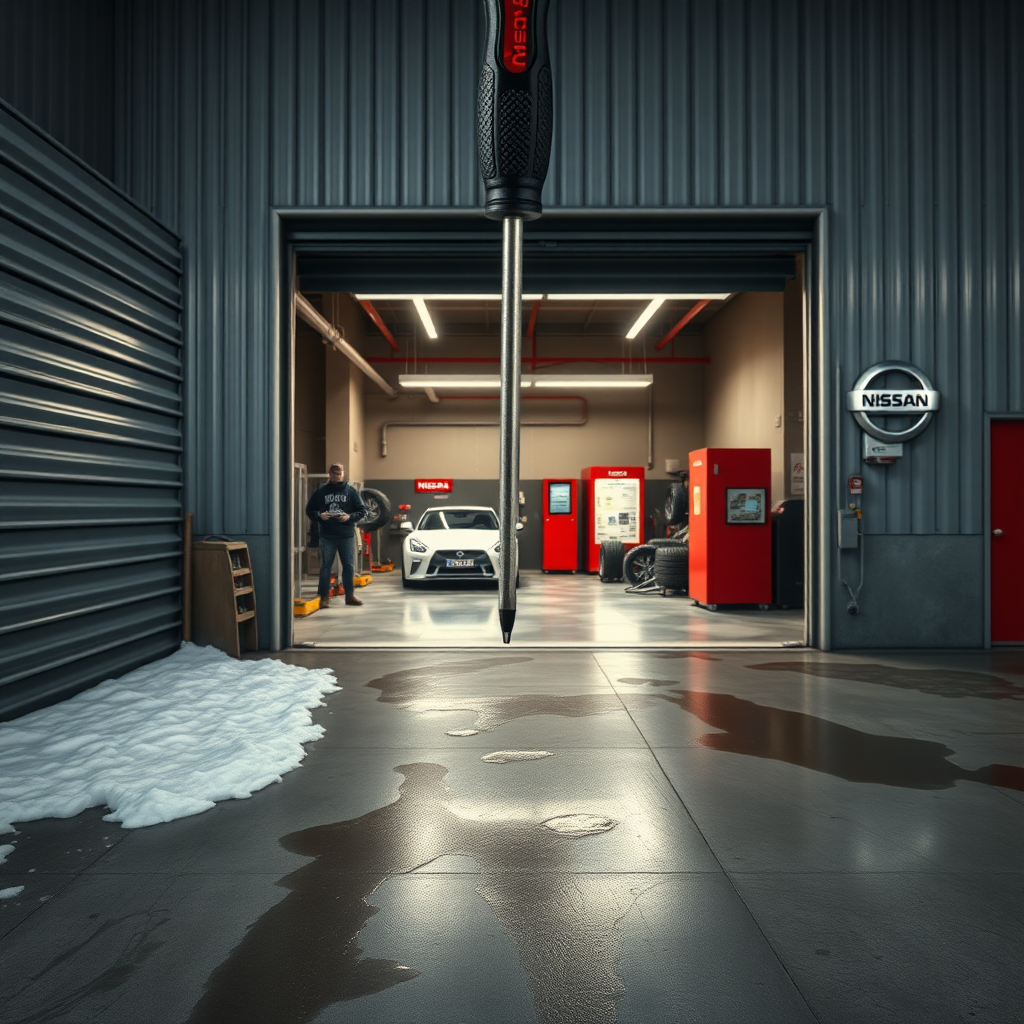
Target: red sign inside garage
{"points": [[433, 487]]}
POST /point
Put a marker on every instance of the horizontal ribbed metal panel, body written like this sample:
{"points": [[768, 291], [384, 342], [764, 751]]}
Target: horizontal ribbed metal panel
{"points": [[903, 117], [90, 426]]}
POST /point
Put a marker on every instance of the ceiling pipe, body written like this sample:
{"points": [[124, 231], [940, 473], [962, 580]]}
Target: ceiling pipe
{"points": [[371, 311], [333, 335], [687, 317]]}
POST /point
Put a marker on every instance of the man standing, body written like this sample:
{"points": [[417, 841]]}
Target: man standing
{"points": [[339, 507]]}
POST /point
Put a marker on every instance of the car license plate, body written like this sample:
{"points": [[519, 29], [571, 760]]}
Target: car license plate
{"points": [[460, 563]]}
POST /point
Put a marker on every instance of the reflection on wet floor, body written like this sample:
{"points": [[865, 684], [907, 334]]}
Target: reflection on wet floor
{"points": [[412, 689], [301, 956], [939, 682], [810, 742]]}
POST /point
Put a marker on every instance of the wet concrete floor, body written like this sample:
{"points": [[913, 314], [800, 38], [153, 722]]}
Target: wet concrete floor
{"points": [[568, 837]]}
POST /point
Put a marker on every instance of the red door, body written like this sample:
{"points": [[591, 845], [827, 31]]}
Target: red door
{"points": [[1007, 523]]}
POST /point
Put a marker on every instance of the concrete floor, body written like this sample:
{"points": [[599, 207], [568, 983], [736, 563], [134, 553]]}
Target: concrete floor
{"points": [[552, 610], [716, 836]]}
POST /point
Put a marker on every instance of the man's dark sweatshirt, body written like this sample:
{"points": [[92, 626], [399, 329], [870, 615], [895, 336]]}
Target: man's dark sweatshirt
{"points": [[341, 497]]}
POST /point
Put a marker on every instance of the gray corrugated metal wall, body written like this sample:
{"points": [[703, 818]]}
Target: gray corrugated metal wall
{"points": [[90, 426], [902, 116], [57, 67]]}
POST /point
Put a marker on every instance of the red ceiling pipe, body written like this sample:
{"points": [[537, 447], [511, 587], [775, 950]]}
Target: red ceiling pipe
{"points": [[690, 314], [381, 326]]}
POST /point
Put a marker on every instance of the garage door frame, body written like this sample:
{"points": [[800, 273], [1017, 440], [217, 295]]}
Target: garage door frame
{"points": [[802, 230]]}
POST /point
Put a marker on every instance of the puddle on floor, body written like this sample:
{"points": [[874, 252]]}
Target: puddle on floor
{"points": [[508, 756], [823, 746], [579, 825], [937, 682], [302, 955]]}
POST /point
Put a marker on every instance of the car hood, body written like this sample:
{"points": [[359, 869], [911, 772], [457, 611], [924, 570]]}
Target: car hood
{"points": [[465, 539]]}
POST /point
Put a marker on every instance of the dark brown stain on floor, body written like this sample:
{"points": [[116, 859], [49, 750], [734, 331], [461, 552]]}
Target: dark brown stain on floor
{"points": [[758, 730], [937, 682], [302, 955]]}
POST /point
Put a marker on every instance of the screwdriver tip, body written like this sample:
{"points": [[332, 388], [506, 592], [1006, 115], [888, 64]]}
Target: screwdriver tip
{"points": [[506, 617]]}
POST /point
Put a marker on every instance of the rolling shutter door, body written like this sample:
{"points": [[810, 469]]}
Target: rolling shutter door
{"points": [[90, 426]]}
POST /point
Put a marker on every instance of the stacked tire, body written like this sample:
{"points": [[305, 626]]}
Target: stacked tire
{"points": [[677, 502], [638, 565], [672, 567], [610, 559]]}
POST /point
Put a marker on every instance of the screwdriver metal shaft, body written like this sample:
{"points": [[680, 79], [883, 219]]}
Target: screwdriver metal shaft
{"points": [[514, 118], [511, 368]]}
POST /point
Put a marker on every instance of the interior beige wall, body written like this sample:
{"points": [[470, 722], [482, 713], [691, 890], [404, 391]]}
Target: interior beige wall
{"points": [[343, 385], [745, 397], [310, 361], [615, 433]]}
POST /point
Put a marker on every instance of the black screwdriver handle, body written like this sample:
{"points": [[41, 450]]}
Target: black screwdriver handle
{"points": [[514, 108]]}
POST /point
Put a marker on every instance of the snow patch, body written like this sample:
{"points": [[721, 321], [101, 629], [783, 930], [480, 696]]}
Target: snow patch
{"points": [[9, 894], [165, 741]]}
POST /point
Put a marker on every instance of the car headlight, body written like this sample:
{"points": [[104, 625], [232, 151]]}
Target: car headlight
{"points": [[417, 546], [497, 548]]}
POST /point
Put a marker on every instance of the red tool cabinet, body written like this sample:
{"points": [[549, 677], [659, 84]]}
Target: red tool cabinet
{"points": [[730, 526], [561, 537]]}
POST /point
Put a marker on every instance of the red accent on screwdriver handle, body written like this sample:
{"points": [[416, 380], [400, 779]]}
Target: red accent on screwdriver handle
{"points": [[514, 109]]}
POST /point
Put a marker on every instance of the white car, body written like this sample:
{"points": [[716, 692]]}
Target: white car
{"points": [[453, 544]]}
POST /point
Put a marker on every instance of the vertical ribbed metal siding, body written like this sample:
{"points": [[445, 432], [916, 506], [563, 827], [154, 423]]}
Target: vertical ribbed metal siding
{"points": [[903, 117], [90, 426], [57, 67]]}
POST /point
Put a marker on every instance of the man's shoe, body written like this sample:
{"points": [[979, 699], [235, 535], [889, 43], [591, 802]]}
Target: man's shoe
{"points": [[352, 599], [325, 601]]}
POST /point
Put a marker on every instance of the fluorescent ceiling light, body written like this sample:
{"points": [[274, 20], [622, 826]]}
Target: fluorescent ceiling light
{"points": [[592, 380], [428, 324], [452, 380], [427, 381], [636, 296], [652, 307], [445, 297]]}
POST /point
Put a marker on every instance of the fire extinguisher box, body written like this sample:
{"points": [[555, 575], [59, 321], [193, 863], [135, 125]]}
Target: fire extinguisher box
{"points": [[730, 526], [561, 537], [612, 500]]}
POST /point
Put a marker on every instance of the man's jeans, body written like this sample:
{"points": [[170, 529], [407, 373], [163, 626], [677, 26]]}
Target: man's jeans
{"points": [[346, 548]]}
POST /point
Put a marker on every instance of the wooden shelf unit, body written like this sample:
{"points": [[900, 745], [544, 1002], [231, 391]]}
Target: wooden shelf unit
{"points": [[223, 597]]}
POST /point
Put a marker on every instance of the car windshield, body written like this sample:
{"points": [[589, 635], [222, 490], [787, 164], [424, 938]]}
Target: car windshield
{"points": [[459, 519]]}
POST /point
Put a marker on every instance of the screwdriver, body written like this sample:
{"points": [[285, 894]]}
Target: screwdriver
{"points": [[514, 116]]}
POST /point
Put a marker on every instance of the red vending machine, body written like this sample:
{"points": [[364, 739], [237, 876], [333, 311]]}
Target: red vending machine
{"points": [[612, 508], [730, 526], [561, 536]]}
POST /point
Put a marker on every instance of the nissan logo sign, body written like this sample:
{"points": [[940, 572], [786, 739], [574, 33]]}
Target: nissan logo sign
{"points": [[864, 401]]}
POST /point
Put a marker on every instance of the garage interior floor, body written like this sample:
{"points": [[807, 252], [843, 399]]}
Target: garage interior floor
{"points": [[552, 610], [568, 836]]}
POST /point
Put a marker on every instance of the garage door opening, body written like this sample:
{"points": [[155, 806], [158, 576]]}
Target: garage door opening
{"points": [[638, 351]]}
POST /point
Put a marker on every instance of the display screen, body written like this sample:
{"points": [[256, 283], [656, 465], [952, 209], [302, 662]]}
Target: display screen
{"points": [[560, 499], [745, 505]]}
